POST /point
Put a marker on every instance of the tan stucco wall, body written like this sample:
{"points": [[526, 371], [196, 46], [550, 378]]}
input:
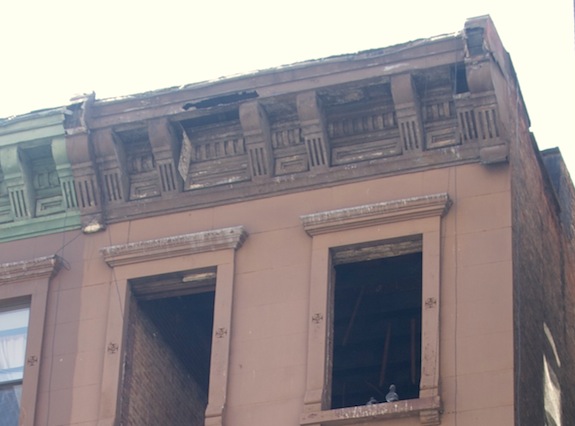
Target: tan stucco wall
{"points": [[267, 371]]}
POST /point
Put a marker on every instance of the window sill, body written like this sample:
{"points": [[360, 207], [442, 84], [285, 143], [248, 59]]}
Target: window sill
{"points": [[426, 408]]}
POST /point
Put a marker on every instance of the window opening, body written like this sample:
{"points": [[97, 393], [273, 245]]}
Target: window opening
{"points": [[13, 336], [376, 323], [169, 343], [460, 78]]}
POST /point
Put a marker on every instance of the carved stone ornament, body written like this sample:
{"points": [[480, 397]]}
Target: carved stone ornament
{"points": [[221, 332], [112, 348], [317, 318]]}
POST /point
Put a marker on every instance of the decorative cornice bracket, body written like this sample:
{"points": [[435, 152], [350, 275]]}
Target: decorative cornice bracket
{"points": [[408, 112], [165, 147], [256, 129], [314, 129]]}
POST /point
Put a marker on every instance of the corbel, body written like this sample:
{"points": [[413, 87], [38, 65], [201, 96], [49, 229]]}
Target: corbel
{"points": [[408, 112], [256, 129], [17, 183], [164, 147], [64, 171], [313, 127], [79, 149], [80, 153], [480, 110], [112, 172]]}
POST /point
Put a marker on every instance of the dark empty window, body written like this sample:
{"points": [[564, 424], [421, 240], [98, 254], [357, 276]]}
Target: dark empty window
{"points": [[169, 342], [376, 323]]}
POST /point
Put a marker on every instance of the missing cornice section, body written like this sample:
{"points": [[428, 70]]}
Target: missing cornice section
{"points": [[221, 100]]}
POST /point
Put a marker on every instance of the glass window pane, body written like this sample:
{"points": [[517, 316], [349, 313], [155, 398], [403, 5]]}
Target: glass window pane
{"points": [[10, 404], [13, 334]]}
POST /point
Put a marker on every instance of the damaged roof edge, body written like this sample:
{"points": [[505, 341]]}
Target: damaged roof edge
{"points": [[334, 59], [52, 118]]}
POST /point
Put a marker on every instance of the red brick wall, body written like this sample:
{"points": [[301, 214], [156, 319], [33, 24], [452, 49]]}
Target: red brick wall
{"points": [[543, 287], [157, 390]]}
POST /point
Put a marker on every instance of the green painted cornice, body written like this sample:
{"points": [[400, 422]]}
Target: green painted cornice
{"points": [[29, 203], [38, 125], [34, 227]]}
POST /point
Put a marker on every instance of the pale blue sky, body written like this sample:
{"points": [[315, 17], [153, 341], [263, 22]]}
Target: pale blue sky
{"points": [[53, 50]]}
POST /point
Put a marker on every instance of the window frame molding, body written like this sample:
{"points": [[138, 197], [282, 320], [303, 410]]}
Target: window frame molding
{"points": [[161, 256], [28, 280], [372, 223]]}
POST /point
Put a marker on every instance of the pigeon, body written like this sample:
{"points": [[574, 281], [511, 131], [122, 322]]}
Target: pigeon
{"points": [[371, 401], [391, 395]]}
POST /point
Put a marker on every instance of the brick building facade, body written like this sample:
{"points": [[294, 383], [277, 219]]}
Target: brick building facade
{"points": [[281, 248]]}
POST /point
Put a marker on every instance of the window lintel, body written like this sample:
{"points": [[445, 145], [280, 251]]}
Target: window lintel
{"points": [[376, 214], [40, 267], [179, 245]]}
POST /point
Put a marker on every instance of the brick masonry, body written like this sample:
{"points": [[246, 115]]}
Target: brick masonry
{"points": [[543, 299], [157, 389]]}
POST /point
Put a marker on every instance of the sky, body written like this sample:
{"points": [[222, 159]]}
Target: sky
{"points": [[53, 50]]}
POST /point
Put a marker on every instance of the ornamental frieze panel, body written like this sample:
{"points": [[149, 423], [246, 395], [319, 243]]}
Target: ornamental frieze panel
{"points": [[36, 181], [134, 148], [290, 153], [440, 123], [212, 153]]}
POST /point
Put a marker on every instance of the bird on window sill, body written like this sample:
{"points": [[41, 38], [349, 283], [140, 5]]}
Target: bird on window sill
{"points": [[392, 395], [371, 401]]}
